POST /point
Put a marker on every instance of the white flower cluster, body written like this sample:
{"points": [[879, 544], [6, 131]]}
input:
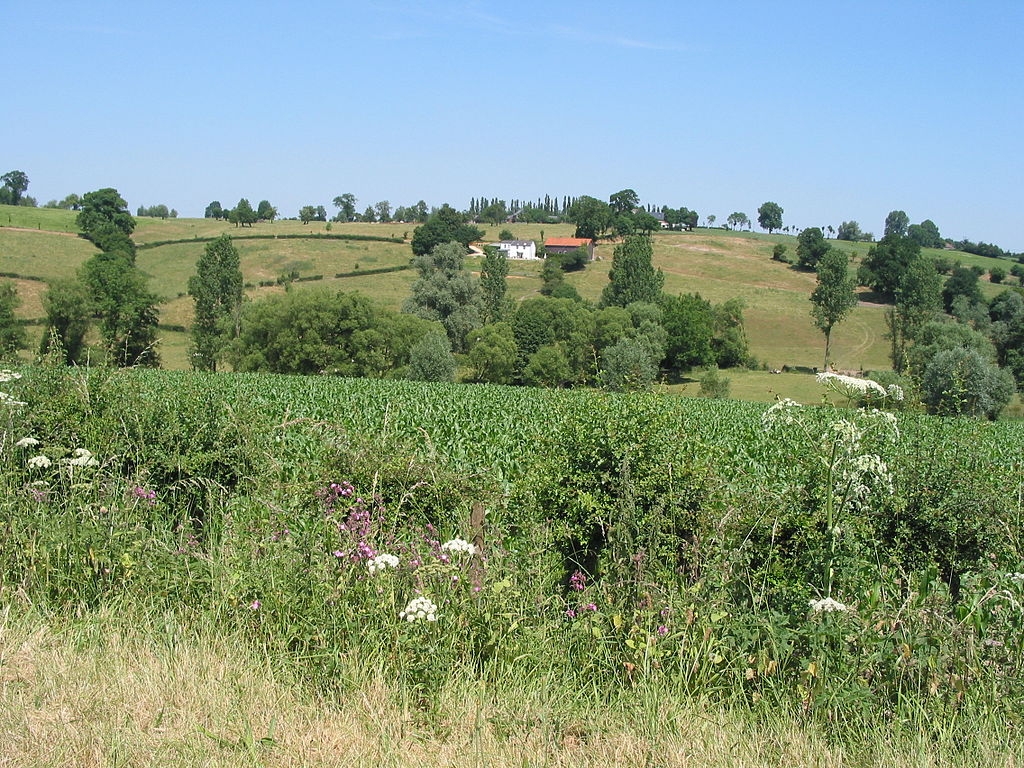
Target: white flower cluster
{"points": [[8, 375], [6, 399], [780, 414], [827, 605], [419, 609], [39, 462], [851, 386], [27, 442], [1018, 577], [381, 563], [894, 392], [846, 434], [83, 458], [459, 545]]}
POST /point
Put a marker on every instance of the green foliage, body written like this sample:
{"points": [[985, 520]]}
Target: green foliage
{"points": [[834, 297], [431, 359], [242, 214], [102, 209], [320, 331], [850, 230], [883, 268], [926, 234], [126, 309], [714, 385], [961, 381], [779, 254], [690, 323], [216, 289], [769, 216], [495, 302], [547, 367], [896, 223], [15, 186], [446, 292], [12, 332], [633, 276], [629, 365], [492, 353], [962, 284], [811, 247], [445, 225], [591, 216], [68, 308]]}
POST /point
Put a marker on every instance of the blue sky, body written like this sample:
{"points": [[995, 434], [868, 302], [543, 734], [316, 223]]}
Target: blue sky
{"points": [[835, 110]]}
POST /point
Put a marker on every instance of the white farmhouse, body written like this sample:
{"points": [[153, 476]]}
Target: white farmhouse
{"points": [[518, 249]]}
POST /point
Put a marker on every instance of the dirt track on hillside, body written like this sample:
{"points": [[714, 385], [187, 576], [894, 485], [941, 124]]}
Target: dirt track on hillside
{"points": [[40, 231]]}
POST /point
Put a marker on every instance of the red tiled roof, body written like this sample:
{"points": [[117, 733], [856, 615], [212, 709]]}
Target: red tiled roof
{"points": [[575, 242]]}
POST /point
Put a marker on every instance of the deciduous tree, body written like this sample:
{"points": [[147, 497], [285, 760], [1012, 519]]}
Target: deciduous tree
{"points": [[104, 208], [769, 216], [68, 308], [834, 296], [15, 186], [12, 332], [896, 224], [446, 292]]}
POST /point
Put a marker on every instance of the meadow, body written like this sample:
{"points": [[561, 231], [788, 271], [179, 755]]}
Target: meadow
{"points": [[251, 569]]}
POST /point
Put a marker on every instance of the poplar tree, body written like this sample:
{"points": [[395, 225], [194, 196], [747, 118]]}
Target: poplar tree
{"points": [[216, 289]]}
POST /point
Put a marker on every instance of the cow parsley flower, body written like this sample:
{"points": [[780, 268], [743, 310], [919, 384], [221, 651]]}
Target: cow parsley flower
{"points": [[8, 375], [459, 545], [827, 605], [83, 458], [381, 563], [27, 442], [780, 414], [851, 386], [39, 462], [419, 609]]}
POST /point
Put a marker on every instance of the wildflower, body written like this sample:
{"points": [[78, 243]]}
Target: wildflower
{"points": [[381, 563], [570, 613], [827, 605], [8, 375], [141, 493], [590, 607], [39, 462], [851, 386], [459, 545], [578, 581], [662, 630], [1018, 577], [894, 392], [83, 458], [255, 605], [6, 399], [780, 413], [419, 609], [27, 442]]}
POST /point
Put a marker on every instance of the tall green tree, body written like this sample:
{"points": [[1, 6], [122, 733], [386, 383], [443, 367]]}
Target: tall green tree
{"points": [[127, 310], [346, 205], [214, 210], [12, 332], [633, 276], [104, 209], [265, 211], [896, 224], [15, 186], [624, 201], [769, 216], [591, 216], [737, 220], [811, 245], [834, 297], [431, 358], [242, 214], [689, 321], [445, 225], [492, 353], [926, 234], [446, 292], [883, 268], [216, 289], [494, 285], [68, 308], [917, 300]]}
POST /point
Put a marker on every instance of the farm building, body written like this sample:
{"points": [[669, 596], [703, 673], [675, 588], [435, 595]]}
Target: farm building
{"points": [[518, 249], [569, 244]]}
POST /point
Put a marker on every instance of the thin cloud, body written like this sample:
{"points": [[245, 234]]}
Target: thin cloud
{"points": [[574, 33]]}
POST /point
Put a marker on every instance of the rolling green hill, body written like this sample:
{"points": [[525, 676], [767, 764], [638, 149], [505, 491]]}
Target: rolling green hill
{"points": [[37, 245]]}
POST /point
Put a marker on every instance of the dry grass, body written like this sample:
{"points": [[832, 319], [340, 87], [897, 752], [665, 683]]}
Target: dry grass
{"points": [[100, 691]]}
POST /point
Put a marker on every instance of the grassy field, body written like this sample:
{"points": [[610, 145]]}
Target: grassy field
{"points": [[718, 264]]}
